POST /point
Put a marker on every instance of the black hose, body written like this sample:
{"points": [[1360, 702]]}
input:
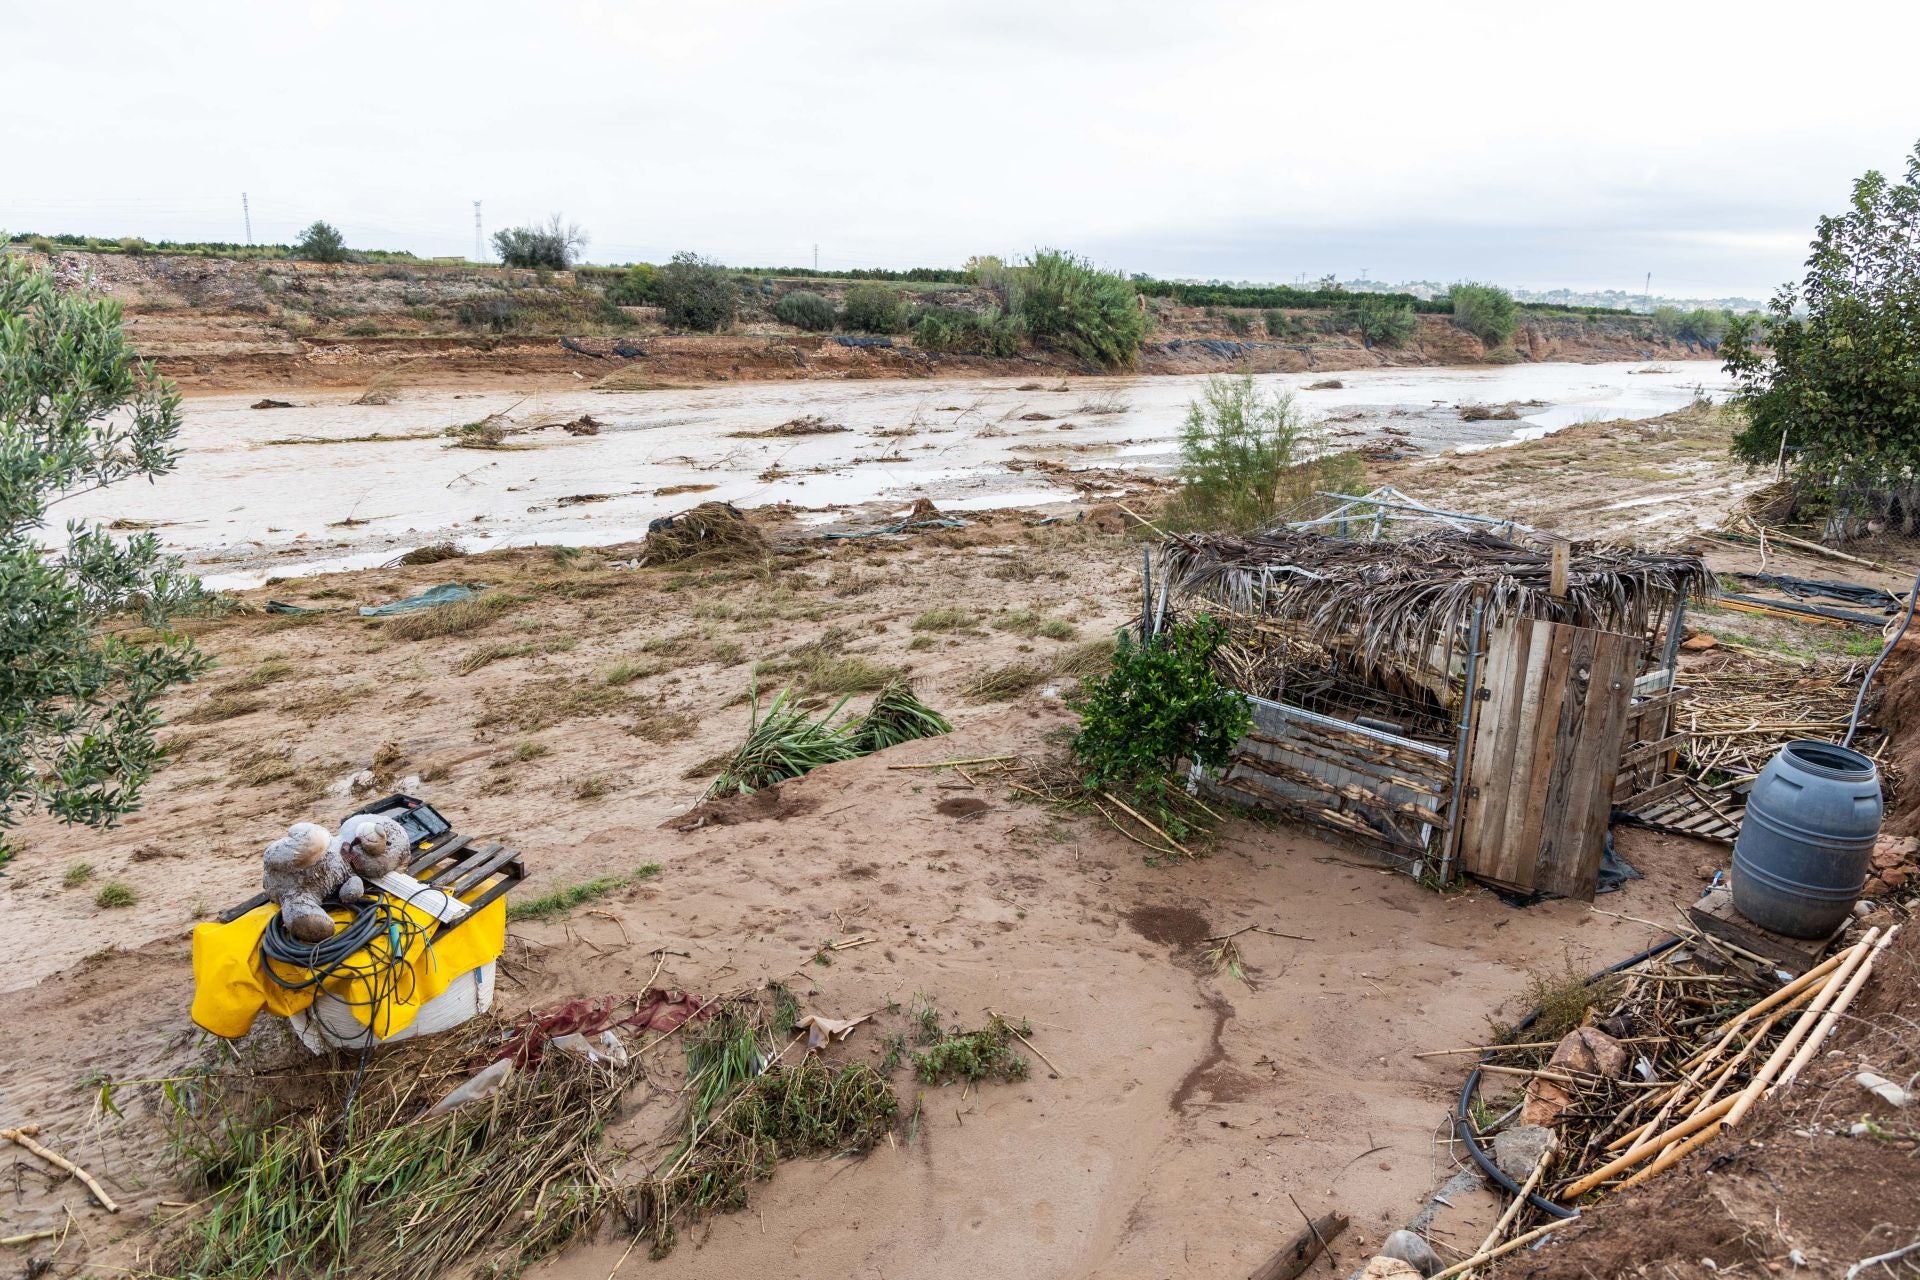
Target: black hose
{"points": [[1463, 1122], [1860, 699]]}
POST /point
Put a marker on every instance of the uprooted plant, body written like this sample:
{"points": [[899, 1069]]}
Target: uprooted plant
{"points": [[784, 741]]}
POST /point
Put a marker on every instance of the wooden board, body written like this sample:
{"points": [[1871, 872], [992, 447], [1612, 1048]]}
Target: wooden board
{"points": [[1545, 752], [1715, 914]]}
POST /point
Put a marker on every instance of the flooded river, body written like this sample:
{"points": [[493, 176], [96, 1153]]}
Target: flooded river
{"points": [[328, 484]]}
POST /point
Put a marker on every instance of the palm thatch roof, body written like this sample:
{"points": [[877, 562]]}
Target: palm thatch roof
{"points": [[1392, 601]]}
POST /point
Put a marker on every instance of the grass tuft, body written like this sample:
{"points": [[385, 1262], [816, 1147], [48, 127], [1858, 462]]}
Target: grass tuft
{"points": [[76, 874], [458, 618], [559, 901], [115, 893]]}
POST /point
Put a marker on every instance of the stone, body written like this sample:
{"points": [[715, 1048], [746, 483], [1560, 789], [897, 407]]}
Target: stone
{"points": [[1699, 642], [1381, 1267], [1518, 1149], [1415, 1252]]}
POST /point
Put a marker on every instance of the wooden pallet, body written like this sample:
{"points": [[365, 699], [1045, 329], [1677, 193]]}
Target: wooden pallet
{"points": [[451, 863], [1681, 807], [1716, 915]]}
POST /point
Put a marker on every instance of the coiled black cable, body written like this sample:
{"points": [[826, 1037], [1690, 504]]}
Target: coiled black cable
{"points": [[388, 978], [1462, 1119]]}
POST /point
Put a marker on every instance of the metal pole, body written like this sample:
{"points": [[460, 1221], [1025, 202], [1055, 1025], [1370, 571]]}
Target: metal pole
{"points": [[1672, 659], [1471, 700]]}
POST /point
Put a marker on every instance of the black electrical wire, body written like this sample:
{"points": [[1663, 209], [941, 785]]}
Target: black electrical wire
{"points": [[1463, 1122], [1860, 699], [389, 979]]}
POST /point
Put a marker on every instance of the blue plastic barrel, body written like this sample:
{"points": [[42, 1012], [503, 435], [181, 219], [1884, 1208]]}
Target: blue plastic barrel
{"points": [[1807, 839]]}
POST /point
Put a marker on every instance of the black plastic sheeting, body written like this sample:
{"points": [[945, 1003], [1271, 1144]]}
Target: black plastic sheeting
{"points": [[1853, 593], [846, 340]]}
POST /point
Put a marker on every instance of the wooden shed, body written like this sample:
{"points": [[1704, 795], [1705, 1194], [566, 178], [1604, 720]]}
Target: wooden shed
{"points": [[1469, 698]]}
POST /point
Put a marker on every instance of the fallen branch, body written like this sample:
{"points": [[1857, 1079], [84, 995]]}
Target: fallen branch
{"points": [[1135, 814], [948, 764], [24, 1137], [1298, 1254], [1030, 1044], [1461, 1268]]}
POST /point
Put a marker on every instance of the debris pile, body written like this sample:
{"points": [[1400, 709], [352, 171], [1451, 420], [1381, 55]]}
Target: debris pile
{"points": [[712, 533], [1668, 1052]]}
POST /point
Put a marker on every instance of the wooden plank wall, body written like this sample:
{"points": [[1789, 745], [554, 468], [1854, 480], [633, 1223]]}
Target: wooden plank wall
{"points": [[1541, 766], [1383, 791]]}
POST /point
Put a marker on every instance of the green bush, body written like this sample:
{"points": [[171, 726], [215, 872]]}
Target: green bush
{"points": [[554, 246], [1237, 324], [1391, 324], [1829, 374], [1279, 323], [1701, 327], [871, 308], [1161, 704], [952, 329], [696, 293], [78, 703], [634, 288], [1067, 304], [804, 309], [321, 242], [1247, 457], [1486, 311], [496, 313]]}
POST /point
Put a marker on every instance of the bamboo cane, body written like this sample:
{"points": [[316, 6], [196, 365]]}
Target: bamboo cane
{"points": [[1834, 1010], [1520, 1200], [1791, 1041], [1461, 1268], [1640, 1151]]}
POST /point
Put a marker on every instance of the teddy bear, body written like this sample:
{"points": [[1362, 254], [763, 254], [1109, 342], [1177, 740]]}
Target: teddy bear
{"points": [[302, 868], [374, 846]]}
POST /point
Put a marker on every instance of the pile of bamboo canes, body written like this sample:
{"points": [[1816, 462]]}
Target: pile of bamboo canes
{"points": [[1691, 1111], [1738, 716], [1708, 1050]]}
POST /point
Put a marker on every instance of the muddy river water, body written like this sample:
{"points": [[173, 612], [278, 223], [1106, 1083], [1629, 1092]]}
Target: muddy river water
{"points": [[328, 484]]}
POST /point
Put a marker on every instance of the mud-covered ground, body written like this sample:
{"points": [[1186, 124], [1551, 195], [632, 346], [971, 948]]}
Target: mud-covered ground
{"points": [[1188, 1108]]}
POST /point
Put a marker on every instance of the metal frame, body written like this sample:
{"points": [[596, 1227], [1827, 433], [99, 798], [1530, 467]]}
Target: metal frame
{"points": [[1408, 509]]}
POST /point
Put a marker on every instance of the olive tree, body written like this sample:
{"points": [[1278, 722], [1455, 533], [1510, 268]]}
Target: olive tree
{"points": [[1829, 374], [85, 646]]}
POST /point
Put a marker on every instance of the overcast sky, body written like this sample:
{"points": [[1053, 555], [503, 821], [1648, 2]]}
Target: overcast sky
{"points": [[1536, 145]]}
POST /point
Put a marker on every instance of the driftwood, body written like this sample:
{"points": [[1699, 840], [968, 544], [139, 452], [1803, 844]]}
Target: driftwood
{"points": [[1298, 1254]]}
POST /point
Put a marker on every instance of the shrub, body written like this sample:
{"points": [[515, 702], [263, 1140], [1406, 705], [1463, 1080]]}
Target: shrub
{"points": [[321, 242], [496, 313], [363, 328], [1279, 324], [1391, 324], [634, 288], [1159, 705], [554, 246], [991, 332], [1829, 374], [871, 308], [1244, 457], [1486, 311], [696, 293], [115, 893], [1238, 325], [79, 412], [804, 309], [1701, 327], [1067, 304]]}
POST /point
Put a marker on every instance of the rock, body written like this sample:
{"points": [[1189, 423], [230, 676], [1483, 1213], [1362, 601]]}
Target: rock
{"points": [[1884, 1089], [362, 782], [1107, 518], [1699, 642], [1415, 1252], [1585, 1050], [1518, 1149], [1381, 1267], [271, 404]]}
